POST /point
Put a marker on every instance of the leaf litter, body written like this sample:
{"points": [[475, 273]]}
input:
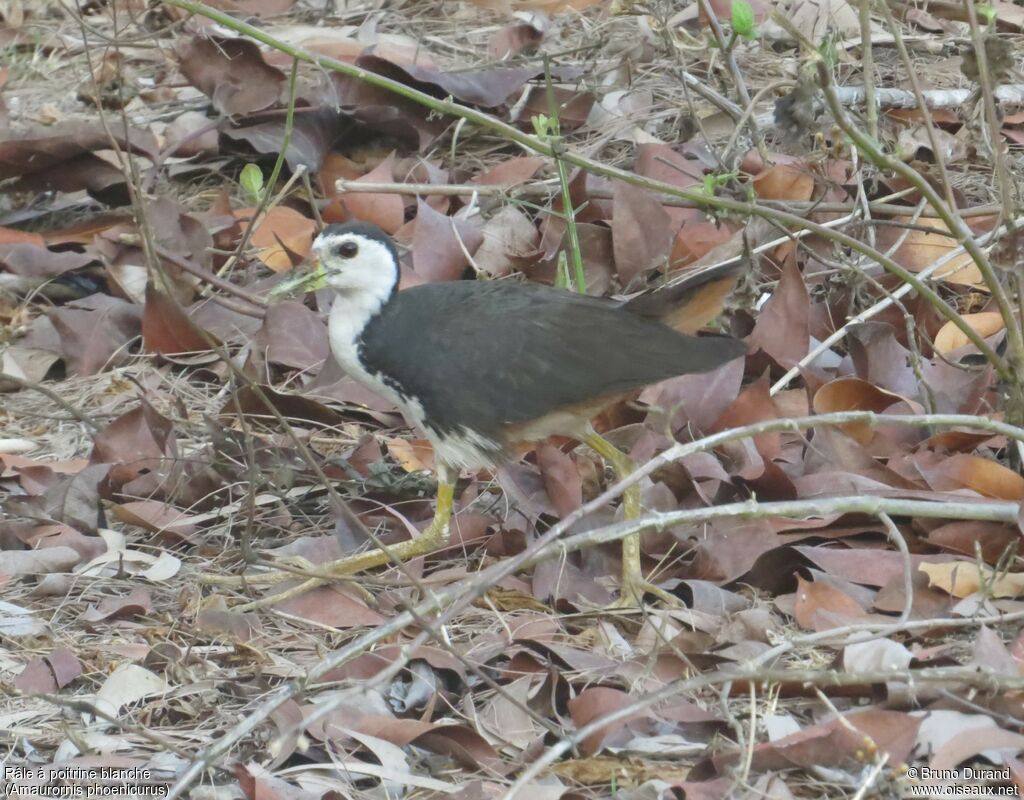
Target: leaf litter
{"points": [[155, 473]]}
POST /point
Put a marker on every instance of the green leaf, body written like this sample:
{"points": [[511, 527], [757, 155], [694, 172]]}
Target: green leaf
{"points": [[743, 19], [986, 11], [252, 182]]}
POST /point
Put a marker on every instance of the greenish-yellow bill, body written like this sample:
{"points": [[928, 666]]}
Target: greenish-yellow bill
{"points": [[300, 282]]}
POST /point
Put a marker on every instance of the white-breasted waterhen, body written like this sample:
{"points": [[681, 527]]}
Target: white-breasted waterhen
{"points": [[483, 365]]}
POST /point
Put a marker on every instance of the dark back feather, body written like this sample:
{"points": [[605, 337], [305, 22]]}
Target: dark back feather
{"points": [[484, 355]]}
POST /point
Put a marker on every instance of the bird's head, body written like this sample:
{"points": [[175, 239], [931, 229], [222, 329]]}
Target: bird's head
{"points": [[352, 258]]}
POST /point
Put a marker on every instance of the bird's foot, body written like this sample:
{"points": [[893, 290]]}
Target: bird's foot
{"points": [[435, 536], [632, 590]]}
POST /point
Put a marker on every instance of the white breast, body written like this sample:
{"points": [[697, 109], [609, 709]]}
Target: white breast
{"points": [[349, 316]]}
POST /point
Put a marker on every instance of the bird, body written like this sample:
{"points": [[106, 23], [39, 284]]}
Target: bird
{"points": [[484, 366]]}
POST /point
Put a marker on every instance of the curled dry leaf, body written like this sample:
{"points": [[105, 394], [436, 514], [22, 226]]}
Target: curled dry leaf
{"points": [[983, 475], [135, 603], [950, 337], [854, 394], [128, 684]]}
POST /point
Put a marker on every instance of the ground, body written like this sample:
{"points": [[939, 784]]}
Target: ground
{"points": [[835, 516]]}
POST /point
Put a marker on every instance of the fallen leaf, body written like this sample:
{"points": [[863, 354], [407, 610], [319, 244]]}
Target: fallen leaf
{"points": [[231, 72], [593, 703], [964, 578], [820, 606], [985, 476], [950, 337], [384, 209], [294, 336], [442, 246], [94, 332], [788, 179], [128, 684], [281, 230], [414, 455], [921, 249], [641, 232], [854, 394], [167, 328]]}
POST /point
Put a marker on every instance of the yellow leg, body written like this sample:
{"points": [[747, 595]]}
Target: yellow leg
{"points": [[634, 585], [436, 536]]}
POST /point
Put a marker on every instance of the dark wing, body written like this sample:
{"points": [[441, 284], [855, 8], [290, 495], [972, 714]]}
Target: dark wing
{"points": [[483, 355]]}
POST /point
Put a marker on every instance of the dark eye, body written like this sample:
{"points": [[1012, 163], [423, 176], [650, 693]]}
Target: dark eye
{"points": [[347, 249]]}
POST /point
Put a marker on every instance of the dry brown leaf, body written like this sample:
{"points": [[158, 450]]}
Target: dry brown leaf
{"points": [[964, 578], [950, 337], [595, 702], [282, 230], [510, 600], [385, 209], [294, 336], [968, 744], [413, 455], [921, 249], [562, 479], [508, 7], [38, 562], [983, 475], [788, 180], [155, 517], [820, 606], [231, 72], [854, 394], [166, 327]]}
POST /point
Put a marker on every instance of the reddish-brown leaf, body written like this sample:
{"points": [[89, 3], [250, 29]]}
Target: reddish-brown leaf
{"points": [[820, 606], [781, 330], [593, 703], [166, 328], [562, 479], [231, 72], [442, 246], [385, 209], [294, 336], [641, 232]]}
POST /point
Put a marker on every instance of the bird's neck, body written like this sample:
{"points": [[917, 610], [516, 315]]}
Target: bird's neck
{"points": [[351, 312]]}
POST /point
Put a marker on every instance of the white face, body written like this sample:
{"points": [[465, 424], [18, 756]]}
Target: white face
{"points": [[356, 265]]}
